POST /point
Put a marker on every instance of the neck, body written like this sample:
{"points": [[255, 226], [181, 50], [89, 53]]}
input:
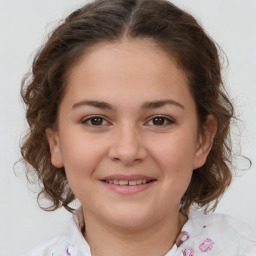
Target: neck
{"points": [[155, 239]]}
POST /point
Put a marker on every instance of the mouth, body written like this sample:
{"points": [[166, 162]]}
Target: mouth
{"points": [[128, 182]]}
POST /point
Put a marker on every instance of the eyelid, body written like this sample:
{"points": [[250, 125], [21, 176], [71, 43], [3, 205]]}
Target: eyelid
{"points": [[168, 118], [88, 118]]}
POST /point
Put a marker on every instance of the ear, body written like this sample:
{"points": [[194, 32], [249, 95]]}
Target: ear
{"points": [[205, 140], [54, 143]]}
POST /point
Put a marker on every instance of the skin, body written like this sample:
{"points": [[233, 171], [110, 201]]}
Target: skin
{"points": [[129, 140]]}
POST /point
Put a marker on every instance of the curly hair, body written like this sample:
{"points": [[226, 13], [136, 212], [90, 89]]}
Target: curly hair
{"points": [[174, 31]]}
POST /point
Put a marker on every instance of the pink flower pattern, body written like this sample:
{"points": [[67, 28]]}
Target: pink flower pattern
{"points": [[206, 245], [188, 252]]}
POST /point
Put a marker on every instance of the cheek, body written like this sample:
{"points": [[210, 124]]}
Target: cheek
{"points": [[81, 156], [175, 152], [175, 159]]}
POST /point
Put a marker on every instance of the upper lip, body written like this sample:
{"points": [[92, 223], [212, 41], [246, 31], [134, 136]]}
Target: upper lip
{"points": [[128, 177]]}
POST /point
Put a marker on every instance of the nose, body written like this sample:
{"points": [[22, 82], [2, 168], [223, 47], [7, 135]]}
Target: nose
{"points": [[127, 146]]}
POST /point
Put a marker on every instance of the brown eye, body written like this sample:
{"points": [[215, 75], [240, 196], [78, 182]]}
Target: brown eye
{"points": [[161, 121], [158, 121], [94, 121]]}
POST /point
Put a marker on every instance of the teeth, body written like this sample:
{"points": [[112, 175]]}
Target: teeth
{"points": [[132, 182], [126, 182], [123, 182]]}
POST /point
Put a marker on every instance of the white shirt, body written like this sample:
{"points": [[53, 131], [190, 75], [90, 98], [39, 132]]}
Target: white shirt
{"points": [[202, 235]]}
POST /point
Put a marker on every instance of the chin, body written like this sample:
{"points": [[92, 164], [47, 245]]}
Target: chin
{"points": [[130, 224], [130, 220]]}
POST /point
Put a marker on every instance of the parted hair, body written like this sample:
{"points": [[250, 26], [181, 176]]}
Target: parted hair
{"points": [[174, 31]]}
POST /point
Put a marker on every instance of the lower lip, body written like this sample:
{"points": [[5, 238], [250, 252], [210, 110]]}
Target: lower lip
{"points": [[123, 189]]}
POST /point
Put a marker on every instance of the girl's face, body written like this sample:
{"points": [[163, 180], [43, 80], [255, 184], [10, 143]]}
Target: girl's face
{"points": [[128, 118]]}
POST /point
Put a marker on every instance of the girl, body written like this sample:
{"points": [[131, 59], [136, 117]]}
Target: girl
{"points": [[128, 113]]}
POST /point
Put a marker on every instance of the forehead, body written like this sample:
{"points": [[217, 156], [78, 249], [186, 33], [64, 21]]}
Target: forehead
{"points": [[128, 58], [127, 69], [143, 53]]}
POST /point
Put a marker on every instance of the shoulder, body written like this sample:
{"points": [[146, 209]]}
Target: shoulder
{"points": [[221, 233], [51, 246], [222, 222], [70, 242]]}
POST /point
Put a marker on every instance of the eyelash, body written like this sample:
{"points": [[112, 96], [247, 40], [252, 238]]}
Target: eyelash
{"points": [[168, 119]]}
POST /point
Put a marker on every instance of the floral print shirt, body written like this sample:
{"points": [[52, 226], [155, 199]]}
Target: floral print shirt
{"points": [[202, 235]]}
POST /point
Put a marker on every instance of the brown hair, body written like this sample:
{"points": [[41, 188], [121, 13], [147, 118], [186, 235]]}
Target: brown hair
{"points": [[174, 31]]}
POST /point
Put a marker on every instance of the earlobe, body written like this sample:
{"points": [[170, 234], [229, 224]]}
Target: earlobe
{"points": [[54, 144], [205, 141]]}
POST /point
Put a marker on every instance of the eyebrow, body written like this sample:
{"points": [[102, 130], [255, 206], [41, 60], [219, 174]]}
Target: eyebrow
{"points": [[161, 103], [146, 105]]}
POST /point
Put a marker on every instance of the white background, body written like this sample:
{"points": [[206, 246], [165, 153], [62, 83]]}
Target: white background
{"points": [[23, 27]]}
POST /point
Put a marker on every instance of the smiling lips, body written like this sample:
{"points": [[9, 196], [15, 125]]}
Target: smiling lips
{"points": [[126, 184]]}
